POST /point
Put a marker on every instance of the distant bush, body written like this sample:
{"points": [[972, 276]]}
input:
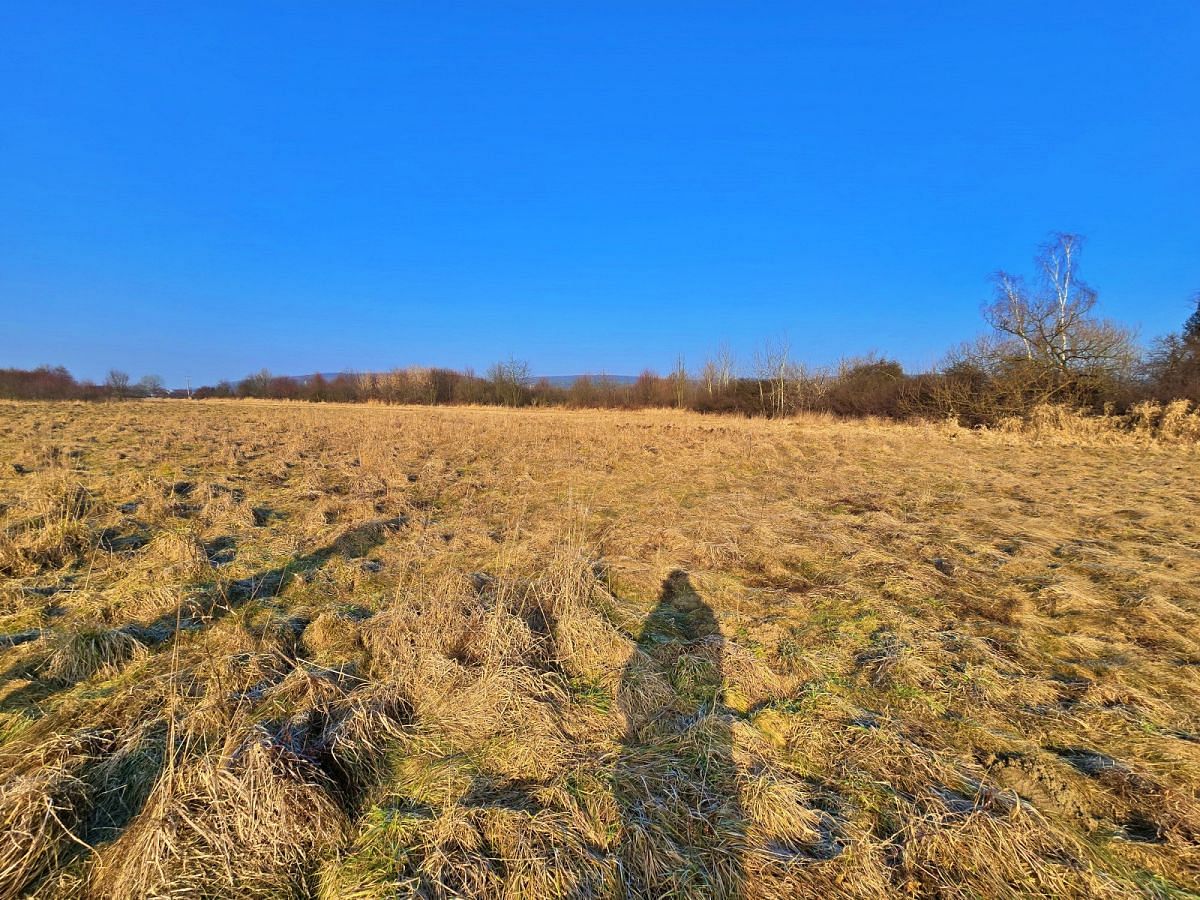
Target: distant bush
{"points": [[1173, 366], [870, 387], [43, 383]]}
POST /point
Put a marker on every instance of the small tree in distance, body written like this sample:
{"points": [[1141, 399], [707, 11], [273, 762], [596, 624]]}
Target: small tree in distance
{"points": [[679, 382], [776, 374], [150, 386], [117, 383], [1173, 368], [510, 381], [1191, 328]]}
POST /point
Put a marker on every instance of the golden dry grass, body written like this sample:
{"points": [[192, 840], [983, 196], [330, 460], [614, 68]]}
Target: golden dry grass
{"points": [[273, 650]]}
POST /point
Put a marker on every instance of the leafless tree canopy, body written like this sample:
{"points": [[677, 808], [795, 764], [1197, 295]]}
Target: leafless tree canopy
{"points": [[1173, 366], [1047, 337], [510, 380], [117, 383]]}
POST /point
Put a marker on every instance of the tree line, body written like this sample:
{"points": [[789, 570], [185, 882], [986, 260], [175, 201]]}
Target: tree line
{"points": [[56, 383], [1044, 344]]}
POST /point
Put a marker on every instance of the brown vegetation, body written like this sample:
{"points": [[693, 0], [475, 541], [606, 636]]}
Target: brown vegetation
{"points": [[262, 650]]}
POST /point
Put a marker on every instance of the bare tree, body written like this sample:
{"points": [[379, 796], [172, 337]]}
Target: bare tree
{"points": [[776, 376], [424, 384], [679, 382], [1058, 259], [259, 384], [117, 383], [812, 387], [1051, 332], [150, 385], [510, 381], [725, 366], [708, 378], [1009, 312], [717, 373], [1191, 328], [1173, 367]]}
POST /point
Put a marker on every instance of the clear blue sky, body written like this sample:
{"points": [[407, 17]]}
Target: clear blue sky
{"points": [[204, 189]]}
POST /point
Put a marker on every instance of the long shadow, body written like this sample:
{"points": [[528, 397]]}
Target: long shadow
{"points": [[207, 606], [202, 610], [105, 817], [675, 780], [213, 602], [218, 602]]}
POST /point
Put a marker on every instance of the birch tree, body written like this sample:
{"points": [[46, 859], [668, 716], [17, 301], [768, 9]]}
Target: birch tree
{"points": [[1050, 332]]}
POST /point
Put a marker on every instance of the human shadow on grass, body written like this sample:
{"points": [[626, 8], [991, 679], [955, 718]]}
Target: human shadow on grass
{"points": [[675, 780]]}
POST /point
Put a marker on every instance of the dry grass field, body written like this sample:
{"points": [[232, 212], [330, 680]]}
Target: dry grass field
{"points": [[270, 650]]}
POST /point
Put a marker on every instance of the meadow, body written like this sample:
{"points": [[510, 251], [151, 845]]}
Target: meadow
{"points": [[257, 649]]}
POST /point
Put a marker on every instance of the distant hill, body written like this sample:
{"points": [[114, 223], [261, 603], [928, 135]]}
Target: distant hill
{"points": [[565, 381]]}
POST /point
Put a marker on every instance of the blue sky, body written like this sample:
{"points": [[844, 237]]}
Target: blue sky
{"points": [[205, 189]]}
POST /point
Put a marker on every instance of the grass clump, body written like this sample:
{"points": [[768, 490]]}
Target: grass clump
{"points": [[249, 817], [82, 653]]}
